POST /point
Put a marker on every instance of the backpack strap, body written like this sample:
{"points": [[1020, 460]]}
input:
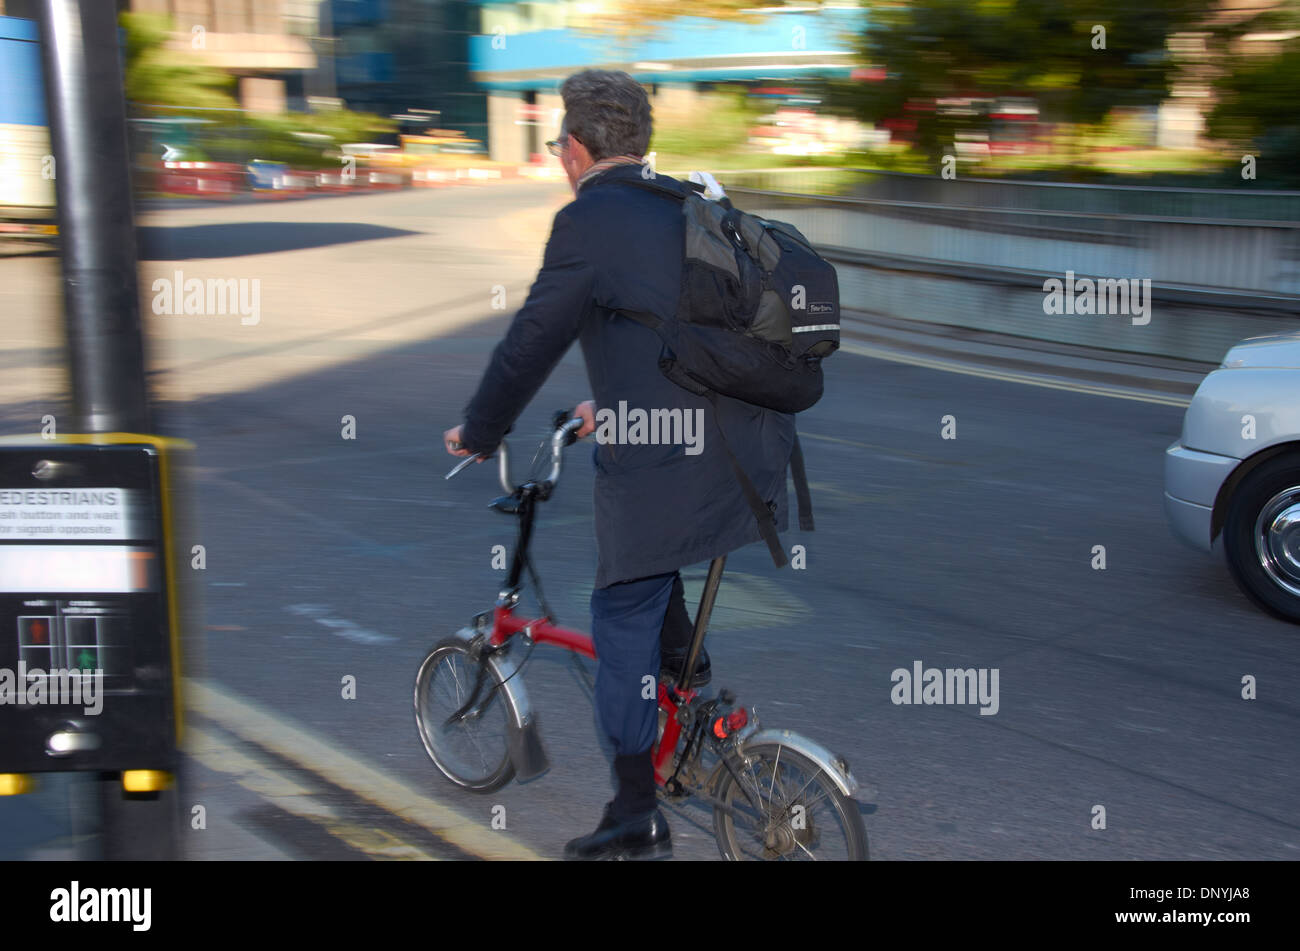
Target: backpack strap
{"points": [[762, 514], [801, 486]]}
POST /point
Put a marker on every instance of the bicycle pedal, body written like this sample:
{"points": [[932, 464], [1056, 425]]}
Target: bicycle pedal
{"points": [[664, 794]]}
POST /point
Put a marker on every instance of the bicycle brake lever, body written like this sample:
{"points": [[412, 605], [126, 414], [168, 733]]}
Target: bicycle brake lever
{"points": [[468, 460]]}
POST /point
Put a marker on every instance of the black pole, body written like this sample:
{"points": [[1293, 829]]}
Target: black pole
{"points": [[92, 181], [84, 96]]}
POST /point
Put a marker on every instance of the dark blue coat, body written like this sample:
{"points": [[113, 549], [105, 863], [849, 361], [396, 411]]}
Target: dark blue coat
{"points": [[656, 508]]}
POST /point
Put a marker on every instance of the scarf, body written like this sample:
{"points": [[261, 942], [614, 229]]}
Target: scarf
{"points": [[605, 164]]}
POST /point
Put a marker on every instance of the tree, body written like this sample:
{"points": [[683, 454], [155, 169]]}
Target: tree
{"points": [[155, 75], [158, 77], [1256, 112], [1078, 58]]}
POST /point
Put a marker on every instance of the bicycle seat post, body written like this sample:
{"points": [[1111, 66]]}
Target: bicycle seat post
{"points": [[707, 598]]}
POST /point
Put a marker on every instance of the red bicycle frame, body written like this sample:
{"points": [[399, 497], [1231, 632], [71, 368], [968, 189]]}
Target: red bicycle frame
{"points": [[522, 501], [506, 625]]}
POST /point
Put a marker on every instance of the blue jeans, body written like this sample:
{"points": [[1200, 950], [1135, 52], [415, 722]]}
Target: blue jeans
{"points": [[626, 619]]}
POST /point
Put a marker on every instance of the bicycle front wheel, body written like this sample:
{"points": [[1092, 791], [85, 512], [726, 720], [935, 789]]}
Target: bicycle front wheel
{"points": [[784, 807], [473, 752]]}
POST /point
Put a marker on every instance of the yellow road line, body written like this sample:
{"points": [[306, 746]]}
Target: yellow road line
{"points": [[295, 743], [1010, 376], [257, 774]]}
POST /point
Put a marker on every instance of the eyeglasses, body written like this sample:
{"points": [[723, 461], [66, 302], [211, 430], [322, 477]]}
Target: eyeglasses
{"points": [[557, 146]]}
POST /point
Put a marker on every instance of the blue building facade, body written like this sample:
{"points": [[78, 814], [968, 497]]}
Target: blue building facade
{"points": [[523, 51], [393, 56]]}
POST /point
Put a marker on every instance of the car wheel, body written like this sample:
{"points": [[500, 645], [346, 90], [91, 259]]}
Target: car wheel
{"points": [[1261, 536]]}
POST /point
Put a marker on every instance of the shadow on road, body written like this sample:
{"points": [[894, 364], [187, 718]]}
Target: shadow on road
{"points": [[248, 237]]}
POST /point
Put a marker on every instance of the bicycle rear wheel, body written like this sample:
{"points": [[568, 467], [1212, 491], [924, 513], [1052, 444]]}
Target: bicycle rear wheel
{"points": [[474, 752], [788, 809]]}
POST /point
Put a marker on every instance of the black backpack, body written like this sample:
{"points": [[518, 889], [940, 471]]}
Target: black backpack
{"points": [[758, 311]]}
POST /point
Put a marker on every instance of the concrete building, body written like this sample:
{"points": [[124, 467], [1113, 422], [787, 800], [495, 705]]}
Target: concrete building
{"points": [[268, 44]]}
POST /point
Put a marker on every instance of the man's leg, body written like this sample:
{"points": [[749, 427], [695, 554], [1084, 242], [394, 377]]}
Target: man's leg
{"points": [[675, 638], [626, 619], [677, 627]]}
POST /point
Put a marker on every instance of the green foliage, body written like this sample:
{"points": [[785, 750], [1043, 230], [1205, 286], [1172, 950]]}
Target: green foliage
{"points": [[155, 75], [235, 136], [720, 127], [160, 85], [1257, 113], [273, 139], [1046, 49]]}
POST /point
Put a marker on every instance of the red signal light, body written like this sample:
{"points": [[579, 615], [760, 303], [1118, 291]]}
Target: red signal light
{"points": [[38, 631]]}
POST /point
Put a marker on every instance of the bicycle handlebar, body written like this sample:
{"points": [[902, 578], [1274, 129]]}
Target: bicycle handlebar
{"points": [[564, 435]]}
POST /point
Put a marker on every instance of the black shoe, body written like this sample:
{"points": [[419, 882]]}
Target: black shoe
{"points": [[640, 838], [672, 660]]}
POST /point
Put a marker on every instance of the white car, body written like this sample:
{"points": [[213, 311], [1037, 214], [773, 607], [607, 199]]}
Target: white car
{"points": [[1232, 481]]}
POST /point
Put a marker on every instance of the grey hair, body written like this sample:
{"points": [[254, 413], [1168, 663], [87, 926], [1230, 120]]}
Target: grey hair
{"points": [[608, 112]]}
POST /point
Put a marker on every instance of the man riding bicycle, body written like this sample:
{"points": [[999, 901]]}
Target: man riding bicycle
{"points": [[657, 506]]}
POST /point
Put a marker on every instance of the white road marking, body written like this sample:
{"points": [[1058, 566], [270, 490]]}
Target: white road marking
{"points": [[341, 626]]}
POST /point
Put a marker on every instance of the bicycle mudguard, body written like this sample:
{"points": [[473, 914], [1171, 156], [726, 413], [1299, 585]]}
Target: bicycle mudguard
{"points": [[834, 766], [526, 751], [523, 738]]}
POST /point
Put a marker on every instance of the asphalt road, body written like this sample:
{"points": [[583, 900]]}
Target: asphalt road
{"points": [[330, 557]]}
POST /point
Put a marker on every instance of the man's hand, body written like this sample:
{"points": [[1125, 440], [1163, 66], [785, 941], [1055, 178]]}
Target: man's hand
{"points": [[451, 439], [586, 411]]}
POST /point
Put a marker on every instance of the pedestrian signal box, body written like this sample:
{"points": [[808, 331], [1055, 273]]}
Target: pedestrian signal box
{"points": [[90, 610]]}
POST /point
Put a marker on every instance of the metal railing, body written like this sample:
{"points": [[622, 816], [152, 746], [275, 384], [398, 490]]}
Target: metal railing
{"points": [[1242, 202], [1257, 257], [1213, 281]]}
